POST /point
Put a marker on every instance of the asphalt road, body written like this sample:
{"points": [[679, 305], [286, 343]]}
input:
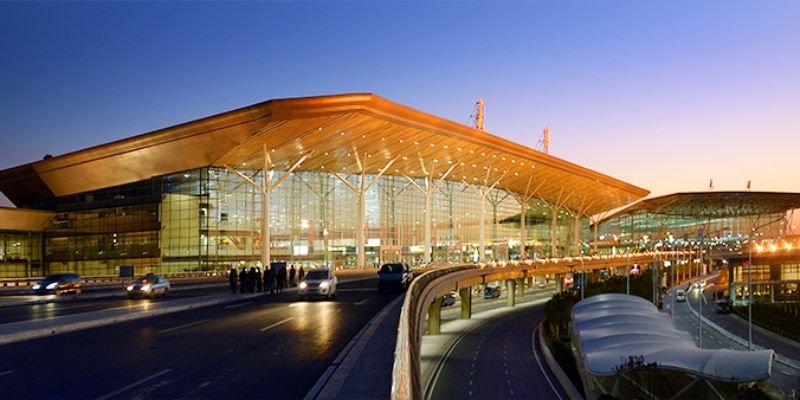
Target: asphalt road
{"points": [[70, 305], [269, 347], [496, 361]]}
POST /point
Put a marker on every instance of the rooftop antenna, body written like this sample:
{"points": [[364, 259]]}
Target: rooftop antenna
{"points": [[543, 144], [476, 118], [748, 184], [711, 184]]}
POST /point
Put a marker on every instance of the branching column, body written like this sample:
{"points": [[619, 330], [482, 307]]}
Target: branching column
{"points": [[428, 191], [482, 192], [523, 200], [361, 192], [266, 189]]}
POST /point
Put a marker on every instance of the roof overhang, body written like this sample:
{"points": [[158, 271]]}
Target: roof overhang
{"points": [[26, 220], [336, 128], [712, 205]]}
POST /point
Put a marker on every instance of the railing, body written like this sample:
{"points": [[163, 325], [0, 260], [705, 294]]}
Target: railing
{"points": [[407, 379]]}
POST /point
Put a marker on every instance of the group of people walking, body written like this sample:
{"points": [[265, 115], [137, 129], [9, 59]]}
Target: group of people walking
{"points": [[273, 280]]}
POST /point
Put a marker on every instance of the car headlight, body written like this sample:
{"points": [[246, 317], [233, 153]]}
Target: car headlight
{"points": [[130, 287], [146, 288], [324, 285], [303, 285], [51, 286], [36, 287]]}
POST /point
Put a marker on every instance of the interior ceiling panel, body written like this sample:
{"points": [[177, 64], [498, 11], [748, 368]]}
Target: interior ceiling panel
{"points": [[333, 131]]}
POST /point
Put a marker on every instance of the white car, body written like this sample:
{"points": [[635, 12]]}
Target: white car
{"points": [[318, 282], [680, 295]]}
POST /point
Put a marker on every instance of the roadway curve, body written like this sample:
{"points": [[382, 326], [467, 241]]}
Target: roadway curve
{"points": [[266, 347], [496, 361]]}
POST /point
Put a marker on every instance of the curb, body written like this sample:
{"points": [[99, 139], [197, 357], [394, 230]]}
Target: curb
{"points": [[561, 376], [742, 342], [330, 383]]}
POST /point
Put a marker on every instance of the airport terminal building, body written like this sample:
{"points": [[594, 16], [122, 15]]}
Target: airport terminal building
{"points": [[342, 180]]}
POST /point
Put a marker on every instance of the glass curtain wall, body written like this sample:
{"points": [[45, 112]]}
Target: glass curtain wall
{"points": [[210, 219]]}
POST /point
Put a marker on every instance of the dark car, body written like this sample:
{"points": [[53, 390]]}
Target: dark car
{"points": [[59, 284], [148, 286], [723, 306], [448, 299], [491, 292], [395, 276]]}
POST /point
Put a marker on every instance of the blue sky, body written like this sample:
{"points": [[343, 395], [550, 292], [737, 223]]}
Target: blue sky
{"points": [[664, 95]]}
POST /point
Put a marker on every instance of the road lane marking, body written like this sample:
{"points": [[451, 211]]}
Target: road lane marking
{"points": [[134, 384], [356, 290], [4, 373], [239, 305], [184, 326], [276, 324], [358, 303]]}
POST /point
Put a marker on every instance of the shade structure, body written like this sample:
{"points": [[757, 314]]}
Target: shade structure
{"points": [[613, 327]]}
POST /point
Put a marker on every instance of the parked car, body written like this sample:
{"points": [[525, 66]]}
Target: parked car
{"points": [[148, 286], [723, 306], [59, 284], [680, 295], [491, 292], [449, 299], [318, 282], [395, 276]]}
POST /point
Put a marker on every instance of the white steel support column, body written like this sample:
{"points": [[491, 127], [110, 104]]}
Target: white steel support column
{"points": [[482, 192], [361, 192], [523, 200], [553, 233], [266, 189], [428, 212], [428, 191]]}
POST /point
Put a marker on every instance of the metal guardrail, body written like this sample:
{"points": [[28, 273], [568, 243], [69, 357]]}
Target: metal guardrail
{"points": [[406, 382]]}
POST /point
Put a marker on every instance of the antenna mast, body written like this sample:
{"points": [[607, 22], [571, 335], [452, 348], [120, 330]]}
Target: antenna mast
{"points": [[476, 118]]}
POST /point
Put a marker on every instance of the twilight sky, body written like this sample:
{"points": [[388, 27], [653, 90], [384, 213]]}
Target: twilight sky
{"points": [[664, 95]]}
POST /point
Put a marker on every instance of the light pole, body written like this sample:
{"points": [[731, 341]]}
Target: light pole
{"points": [[750, 293], [628, 274], [583, 276]]}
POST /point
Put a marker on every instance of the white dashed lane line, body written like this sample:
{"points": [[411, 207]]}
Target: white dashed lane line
{"points": [[183, 326], [266, 328], [4, 373]]}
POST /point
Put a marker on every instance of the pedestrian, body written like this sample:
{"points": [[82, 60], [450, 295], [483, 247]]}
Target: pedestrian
{"points": [[251, 280], [271, 280], [243, 280], [292, 274], [233, 278], [259, 281], [280, 274], [301, 274]]}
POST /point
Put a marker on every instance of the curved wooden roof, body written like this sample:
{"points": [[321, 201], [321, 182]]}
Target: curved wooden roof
{"points": [[335, 128], [704, 205]]}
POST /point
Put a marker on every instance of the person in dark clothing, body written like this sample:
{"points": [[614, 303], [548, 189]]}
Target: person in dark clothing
{"points": [[301, 274], [232, 278], [259, 281], [292, 273], [243, 281], [251, 280], [281, 276], [271, 280]]}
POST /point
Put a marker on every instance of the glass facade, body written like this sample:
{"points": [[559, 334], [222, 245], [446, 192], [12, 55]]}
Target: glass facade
{"points": [[210, 218]]}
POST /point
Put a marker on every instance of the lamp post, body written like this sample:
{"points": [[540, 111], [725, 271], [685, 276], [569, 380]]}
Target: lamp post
{"points": [[583, 276], [750, 293], [628, 274]]}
